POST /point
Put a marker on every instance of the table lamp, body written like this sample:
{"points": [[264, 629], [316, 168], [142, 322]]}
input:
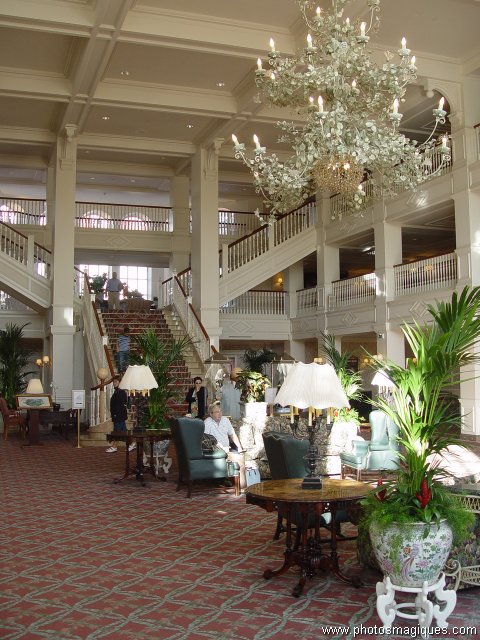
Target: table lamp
{"points": [[384, 384], [314, 387], [138, 380], [34, 386]]}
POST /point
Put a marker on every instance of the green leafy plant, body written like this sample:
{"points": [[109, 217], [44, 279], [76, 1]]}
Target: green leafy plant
{"points": [[14, 357], [159, 356], [350, 380], [346, 415], [256, 359], [97, 283], [252, 385], [426, 424]]}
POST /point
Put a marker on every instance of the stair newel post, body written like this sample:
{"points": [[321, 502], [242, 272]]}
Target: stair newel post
{"points": [[102, 375], [31, 253], [224, 259]]}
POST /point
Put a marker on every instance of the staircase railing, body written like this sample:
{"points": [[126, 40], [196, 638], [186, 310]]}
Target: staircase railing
{"points": [[97, 351], [175, 296], [24, 250], [257, 243]]}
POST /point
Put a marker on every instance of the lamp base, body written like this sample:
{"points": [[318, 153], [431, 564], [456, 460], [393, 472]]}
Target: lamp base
{"points": [[312, 483]]}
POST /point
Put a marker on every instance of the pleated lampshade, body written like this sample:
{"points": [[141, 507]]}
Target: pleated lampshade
{"points": [[138, 378], [313, 386]]}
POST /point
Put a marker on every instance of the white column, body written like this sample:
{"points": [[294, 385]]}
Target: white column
{"points": [[388, 253], [61, 327], [180, 202], [294, 282], [205, 258]]}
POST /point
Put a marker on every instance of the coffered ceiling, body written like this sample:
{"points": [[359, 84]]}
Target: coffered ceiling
{"points": [[148, 81]]}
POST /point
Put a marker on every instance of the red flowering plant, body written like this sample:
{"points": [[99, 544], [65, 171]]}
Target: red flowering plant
{"points": [[442, 351]]}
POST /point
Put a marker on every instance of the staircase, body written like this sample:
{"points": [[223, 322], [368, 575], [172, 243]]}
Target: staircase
{"points": [[139, 322]]}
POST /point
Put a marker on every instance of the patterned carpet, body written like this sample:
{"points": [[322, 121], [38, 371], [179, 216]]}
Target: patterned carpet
{"points": [[83, 558]]}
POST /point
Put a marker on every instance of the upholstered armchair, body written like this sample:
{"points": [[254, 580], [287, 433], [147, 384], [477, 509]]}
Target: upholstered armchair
{"points": [[378, 454], [193, 462], [286, 459], [11, 418]]}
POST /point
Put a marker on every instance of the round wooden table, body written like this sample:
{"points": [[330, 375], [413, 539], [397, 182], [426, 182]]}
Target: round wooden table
{"points": [[304, 508]]}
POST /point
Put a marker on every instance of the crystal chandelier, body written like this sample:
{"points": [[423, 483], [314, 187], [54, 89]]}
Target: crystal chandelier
{"points": [[346, 131]]}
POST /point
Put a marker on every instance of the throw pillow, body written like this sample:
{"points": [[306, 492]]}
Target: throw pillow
{"points": [[209, 443]]}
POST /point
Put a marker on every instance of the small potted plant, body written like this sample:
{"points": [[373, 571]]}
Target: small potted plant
{"points": [[413, 517]]}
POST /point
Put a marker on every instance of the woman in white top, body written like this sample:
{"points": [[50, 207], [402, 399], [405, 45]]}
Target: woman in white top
{"points": [[220, 427]]}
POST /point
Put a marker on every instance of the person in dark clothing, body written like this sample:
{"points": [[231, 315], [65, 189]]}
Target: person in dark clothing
{"points": [[119, 412], [197, 399]]}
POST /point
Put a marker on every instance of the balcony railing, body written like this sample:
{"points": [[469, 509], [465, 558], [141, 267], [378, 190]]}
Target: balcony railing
{"points": [[236, 223], [90, 215], [7, 303], [257, 302], [434, 165], [309, 300], [351, 291], [426, 275], [23, 211]]}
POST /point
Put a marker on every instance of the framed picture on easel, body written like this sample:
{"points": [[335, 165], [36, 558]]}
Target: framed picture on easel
{"points": [[34, 401]]}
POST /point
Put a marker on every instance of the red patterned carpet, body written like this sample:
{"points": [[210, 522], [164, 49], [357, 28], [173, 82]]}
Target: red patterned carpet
{"points": [[83, 558]]}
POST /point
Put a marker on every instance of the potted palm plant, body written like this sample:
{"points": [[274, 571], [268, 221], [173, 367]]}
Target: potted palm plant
{"points": [[159, 355], [14, 357], [413, 518]]}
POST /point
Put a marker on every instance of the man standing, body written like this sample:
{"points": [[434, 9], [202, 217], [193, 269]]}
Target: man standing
{"points": [[113, 288], [119, 413]]}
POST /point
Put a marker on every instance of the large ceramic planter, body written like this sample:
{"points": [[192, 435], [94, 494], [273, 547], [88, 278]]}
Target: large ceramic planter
{"points": [[253, 410], [406, 556]]}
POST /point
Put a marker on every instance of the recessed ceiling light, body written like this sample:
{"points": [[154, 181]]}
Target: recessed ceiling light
{"points": [[92, 178], [189, 126], [105, 117], [125, 73], [132, 180], [86, 151], [220, 84]]}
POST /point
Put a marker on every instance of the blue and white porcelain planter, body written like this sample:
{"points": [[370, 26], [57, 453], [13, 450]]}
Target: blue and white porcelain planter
{"points": [[406, 556]]}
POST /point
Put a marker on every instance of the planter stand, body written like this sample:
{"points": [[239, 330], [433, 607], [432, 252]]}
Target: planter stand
{"points": [[425, 610]]}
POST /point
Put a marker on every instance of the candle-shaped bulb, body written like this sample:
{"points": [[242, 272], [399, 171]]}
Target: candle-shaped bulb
{"points": [[235, 139], [347, 22], [404, 43], [395, 105], [412, 61], [272, 45], [354, 84], [311, 100], [320, 104], [309, 41], [272, 76], [445, 141], [441, 103], [256, 141], [363, 26], [319, 11], [259, 64]]}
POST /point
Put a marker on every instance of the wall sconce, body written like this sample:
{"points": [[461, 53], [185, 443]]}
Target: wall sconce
{"points": [[279, 280], [44, 361]]}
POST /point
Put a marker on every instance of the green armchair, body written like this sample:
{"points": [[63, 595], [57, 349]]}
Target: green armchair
{"points": [[193, 462], [378, 454]]}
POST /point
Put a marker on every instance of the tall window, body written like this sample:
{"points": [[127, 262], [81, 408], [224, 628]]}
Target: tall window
{"points": [[136, 278], [139, 278]]}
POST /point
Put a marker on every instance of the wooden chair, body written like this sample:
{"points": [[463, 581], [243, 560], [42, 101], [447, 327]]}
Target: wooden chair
{"points": [[11, 418]]}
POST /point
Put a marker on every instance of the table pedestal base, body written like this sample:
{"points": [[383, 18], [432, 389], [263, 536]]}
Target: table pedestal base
{"points": [[424, 610]]}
